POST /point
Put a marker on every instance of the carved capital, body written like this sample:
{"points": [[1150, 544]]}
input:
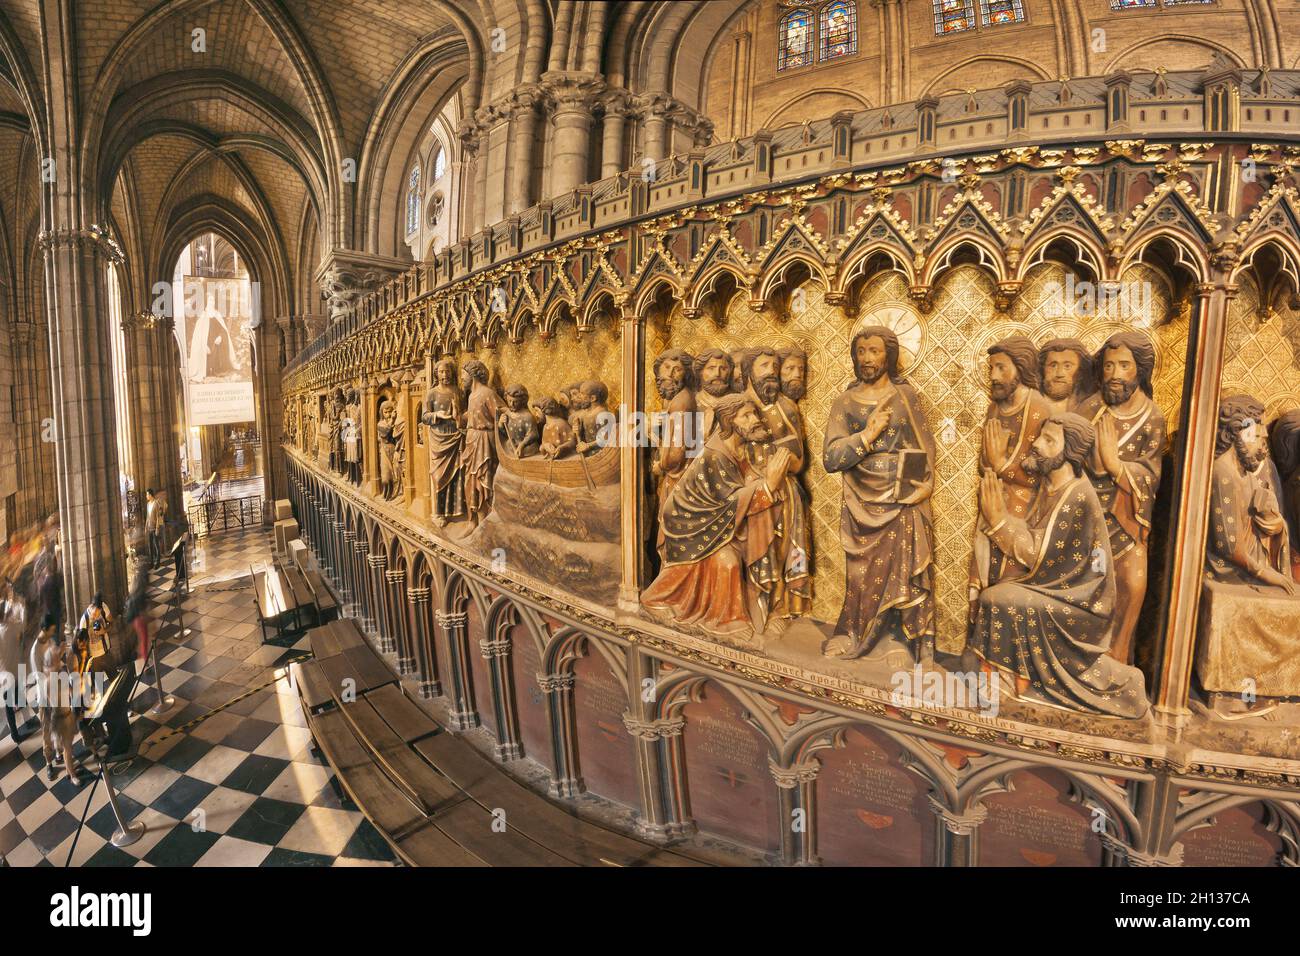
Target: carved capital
{"points": [[395, 577], [494, 648], [554, 682], [961, 824], [377, 560], [788, 778], [451, 620], [654, 729]]}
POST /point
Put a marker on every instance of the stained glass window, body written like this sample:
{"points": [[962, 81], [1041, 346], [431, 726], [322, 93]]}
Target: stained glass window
{"points": [[796, 40], [839, 29], [1173, 3], [994, 12], [413, 202], [953, 16], [439, 163], [1130, 4]]}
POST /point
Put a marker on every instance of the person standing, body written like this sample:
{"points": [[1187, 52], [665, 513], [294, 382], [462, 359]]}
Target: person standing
{"points": [[153, 524], [12, 620], [96, 621]]}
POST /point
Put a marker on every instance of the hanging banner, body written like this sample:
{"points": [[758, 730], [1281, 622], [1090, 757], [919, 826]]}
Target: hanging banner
{"points": [[218, 350]]}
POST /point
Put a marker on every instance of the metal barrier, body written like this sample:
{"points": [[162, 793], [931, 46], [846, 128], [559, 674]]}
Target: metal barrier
{"points": [[208, 517]]}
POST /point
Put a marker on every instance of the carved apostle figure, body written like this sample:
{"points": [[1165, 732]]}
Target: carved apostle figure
{"points": [[352, 436], [558, 439], [337, 435], [1016, 412], [592, 418], [482, 408], [1125, 470], [1249, 539], [325, 428], [1284, 439], [1065, 366], [676, 431], [738, 357], [785, 577], [1046, 621], [794, 372], [878, 441], [713, 371], [719, 524], [442, 413], [385, 431], [517, 430]]}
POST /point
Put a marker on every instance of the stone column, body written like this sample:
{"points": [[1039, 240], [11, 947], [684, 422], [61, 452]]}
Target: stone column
{"points": [[397, 602], [349, 587], [361, 564], [463, 715], [523, 151], [76, 278], [573, 96], [796, 789], [665, 806], [612, 135], [28, 420], [167, 387], [1193, 463], [497, 654], [566, 779], [632, 461], [339, 546], [426, 658], [383, 625], [654, 130], [958, 834]]}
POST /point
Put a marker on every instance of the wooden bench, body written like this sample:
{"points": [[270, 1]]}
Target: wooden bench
{"points": [[435, 799], [275, 603], [327, 606]]}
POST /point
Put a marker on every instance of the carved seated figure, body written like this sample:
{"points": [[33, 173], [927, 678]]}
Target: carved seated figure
{"points": [[1249, 645], [516, 427], [558, 439], [1046, 618], [1284, 439]]}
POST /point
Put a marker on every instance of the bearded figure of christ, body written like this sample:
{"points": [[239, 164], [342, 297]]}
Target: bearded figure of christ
{"points": [[886, 531]]}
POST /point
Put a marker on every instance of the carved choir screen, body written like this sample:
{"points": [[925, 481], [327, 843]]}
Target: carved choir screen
{"points": [[944, 358]]}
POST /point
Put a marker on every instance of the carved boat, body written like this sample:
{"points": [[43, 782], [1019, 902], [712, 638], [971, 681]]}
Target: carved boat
{"points": [[576, 471]]}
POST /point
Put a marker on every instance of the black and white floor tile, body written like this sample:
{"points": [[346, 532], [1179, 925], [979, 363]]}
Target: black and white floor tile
{"points": [[225, 777]]}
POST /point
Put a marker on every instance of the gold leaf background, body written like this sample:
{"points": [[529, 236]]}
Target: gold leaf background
{"points": [[949, 373]]}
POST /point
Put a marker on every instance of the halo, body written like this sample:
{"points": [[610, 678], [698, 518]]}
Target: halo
{"points": [[904, 321]]}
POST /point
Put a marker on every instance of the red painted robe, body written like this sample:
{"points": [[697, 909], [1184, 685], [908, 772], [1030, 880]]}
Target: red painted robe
{"points": [[718, 522]]}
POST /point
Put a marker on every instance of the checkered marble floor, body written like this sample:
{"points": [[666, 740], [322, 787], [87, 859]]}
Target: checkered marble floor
{"points": [[217, 783]]}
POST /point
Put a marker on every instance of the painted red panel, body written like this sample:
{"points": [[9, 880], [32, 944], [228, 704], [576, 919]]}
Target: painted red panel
{"points": [[606, 751], [1237, 838], [870, 810], [731, 788], [1036, 825], [534, 724]]}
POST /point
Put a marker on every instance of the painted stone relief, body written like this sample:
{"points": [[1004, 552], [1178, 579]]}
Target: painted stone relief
{"points": [[1069, 459], [1249, 650], [1066, 462]]}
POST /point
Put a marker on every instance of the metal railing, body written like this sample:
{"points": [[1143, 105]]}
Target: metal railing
{"points": [[208, 517]]}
